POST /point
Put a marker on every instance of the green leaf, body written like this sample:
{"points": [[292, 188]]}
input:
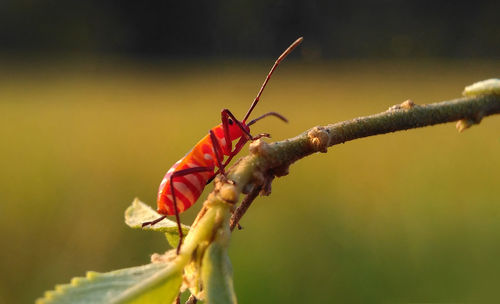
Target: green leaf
{"points": [[152, 283], [485, 87], [138, 213], [217, 275]]}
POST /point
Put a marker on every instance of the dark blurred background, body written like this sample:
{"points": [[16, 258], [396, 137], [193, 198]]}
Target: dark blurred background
{"points": [[99, 98], [250, 29]]}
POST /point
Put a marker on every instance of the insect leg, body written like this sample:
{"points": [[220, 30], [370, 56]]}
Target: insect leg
{"points": [[225, 127], [261, 135], [179, 173], [239, 145], [161, 218], [217, 151], [225, 122], [237, 148], [226, 113], [172, 189]]}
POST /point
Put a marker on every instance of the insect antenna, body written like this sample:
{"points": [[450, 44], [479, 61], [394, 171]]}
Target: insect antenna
{"points": [[280, 58], [265, 115]]}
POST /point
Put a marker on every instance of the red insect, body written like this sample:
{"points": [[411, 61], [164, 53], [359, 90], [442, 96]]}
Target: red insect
{"points": [[184, 182]]}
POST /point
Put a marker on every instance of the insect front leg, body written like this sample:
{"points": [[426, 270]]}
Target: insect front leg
{"points": [[218, 152], [239, 145], [225, 124], [237, 148], [225, 115]]}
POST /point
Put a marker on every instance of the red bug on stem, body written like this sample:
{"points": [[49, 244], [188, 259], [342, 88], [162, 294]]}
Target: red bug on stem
{"points": [[184, 182]]}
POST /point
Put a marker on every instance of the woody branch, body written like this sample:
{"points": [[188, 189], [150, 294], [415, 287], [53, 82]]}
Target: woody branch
{"points": [[255, 171]]}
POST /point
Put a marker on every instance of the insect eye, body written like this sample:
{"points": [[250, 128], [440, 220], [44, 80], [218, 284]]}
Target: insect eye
{"points": [[230, 121]]}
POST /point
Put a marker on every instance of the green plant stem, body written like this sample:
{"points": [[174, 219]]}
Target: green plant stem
{"points": [[213, 218]]}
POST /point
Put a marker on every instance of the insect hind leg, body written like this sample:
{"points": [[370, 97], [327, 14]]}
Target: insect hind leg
{"points": [[180, 173]]}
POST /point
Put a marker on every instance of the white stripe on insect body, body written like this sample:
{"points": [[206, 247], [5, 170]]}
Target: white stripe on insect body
{"points": [[195, 182], [181, 188]]}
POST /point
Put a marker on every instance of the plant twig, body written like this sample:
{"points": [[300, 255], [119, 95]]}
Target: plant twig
{"points": [[268, 160], [408, 116], [243, 207], [255, 171]]}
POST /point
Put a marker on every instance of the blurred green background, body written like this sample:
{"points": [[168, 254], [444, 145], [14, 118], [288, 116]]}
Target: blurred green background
{"points": [[98, 101]]}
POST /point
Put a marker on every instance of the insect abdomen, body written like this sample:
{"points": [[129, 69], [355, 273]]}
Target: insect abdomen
{"points": [[189, 187]]}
